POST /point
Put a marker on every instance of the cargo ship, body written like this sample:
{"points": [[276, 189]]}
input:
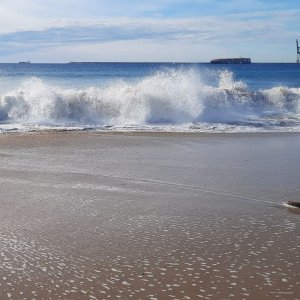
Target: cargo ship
{"points": [[239, 60]]}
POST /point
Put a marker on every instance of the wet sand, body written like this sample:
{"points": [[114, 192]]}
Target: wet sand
{"points": [[149, 216]]}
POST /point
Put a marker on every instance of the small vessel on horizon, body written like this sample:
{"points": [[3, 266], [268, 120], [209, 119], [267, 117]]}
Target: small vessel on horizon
{"points": [[24, 62], [235, 60]]}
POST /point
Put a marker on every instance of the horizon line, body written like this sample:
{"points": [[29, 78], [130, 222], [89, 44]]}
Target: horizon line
{"points": [[136, 62]]}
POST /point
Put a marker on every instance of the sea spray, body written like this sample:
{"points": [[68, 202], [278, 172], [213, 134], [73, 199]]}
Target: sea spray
{"points": [[171, 97]]}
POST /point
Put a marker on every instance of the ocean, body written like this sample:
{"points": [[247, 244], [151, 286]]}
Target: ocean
{"points": [[150, 97]]}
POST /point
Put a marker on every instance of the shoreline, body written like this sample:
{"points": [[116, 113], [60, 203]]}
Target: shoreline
{"points": [[150, 133]]}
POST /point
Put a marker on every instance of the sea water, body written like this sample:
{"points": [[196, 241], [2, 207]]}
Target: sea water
{"points": [[150, 97]]}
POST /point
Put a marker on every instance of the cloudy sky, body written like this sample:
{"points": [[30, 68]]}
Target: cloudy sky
{"points": [[148, 30]]}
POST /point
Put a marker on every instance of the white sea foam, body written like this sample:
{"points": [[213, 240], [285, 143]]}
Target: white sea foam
{"points": [[167, 100]]}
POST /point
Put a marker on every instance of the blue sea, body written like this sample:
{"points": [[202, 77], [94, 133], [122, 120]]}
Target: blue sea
{"points": [[150, 97]]}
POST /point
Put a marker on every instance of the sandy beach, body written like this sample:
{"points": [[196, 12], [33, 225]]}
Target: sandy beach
{"points": [[149, 216]]}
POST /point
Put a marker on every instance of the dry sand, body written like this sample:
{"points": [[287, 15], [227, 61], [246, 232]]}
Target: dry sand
{"points": [[149, 216]]}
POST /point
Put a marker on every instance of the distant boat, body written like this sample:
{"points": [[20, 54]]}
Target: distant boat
{"points": [[239, 60], [24, 62]]}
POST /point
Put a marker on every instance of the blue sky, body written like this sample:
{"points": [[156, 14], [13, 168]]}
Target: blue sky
{"points": [[140, 30]]}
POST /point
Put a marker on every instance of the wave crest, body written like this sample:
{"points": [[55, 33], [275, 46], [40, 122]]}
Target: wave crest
{"points": [[166, 97]]}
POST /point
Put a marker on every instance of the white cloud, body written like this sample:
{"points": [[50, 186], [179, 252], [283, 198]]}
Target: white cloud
{"points": [[37, 29], [64, 31]]}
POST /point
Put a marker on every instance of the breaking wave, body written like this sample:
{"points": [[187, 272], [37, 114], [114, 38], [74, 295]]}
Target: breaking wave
{"points": [[168, 99]]}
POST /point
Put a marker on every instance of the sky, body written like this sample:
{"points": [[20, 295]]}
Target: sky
{"points": [[148, 30]]}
